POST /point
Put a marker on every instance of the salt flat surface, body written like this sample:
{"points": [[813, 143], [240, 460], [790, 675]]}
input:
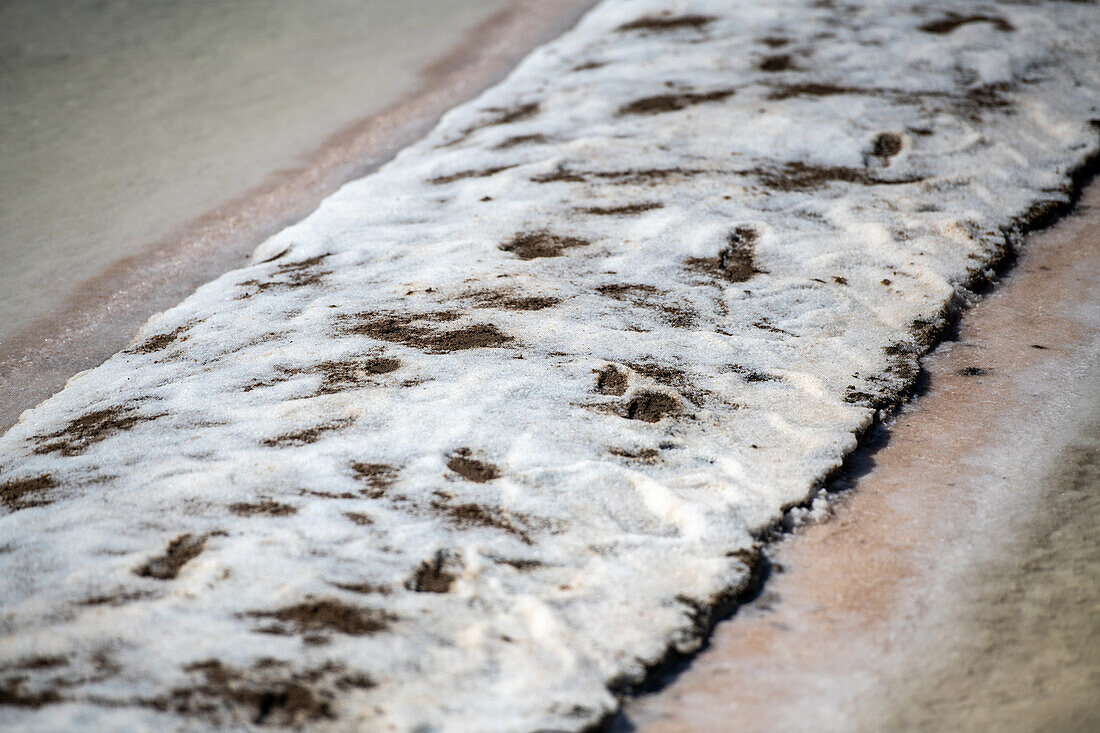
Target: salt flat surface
{"points": [[483, 437]]}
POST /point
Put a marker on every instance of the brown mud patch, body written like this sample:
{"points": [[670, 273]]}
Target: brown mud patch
{"points": [[672, 102], [24, 493], [160, 342], [180, 551], [507, 300], [818, 89], [517, 140], [507, 115], [91, 428], [807, 177], [647, 296], [886, 145], [611, 381], [13, 693], [465, 465], [461, 175], [265, 508], [327, 614], [650, 406], [736, 261], [468, 515], [668, 22], [337, 376], [533, 245], [751, 375], [377, 476], [432, 576], [624, 210], [648, 456], [306, 436], [630, 176], [417, 331], [301, 274], [778, 62], [364, 588], [952, 21], [268, 694]]}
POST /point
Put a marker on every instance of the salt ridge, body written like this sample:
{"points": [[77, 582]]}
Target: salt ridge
{"points": [[481, 438]]}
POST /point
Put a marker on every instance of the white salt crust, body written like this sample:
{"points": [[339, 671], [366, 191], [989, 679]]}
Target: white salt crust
{"points": [[243, 416]]}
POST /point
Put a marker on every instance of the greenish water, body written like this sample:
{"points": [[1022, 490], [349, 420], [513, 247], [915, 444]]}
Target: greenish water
{"points": [[122, 120]]}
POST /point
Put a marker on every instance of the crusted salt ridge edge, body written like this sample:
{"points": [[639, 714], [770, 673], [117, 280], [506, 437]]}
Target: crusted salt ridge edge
{"points": [[291, 503]]}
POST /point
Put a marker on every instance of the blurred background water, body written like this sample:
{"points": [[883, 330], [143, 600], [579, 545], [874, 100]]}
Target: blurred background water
{"points": [[121, 120]]}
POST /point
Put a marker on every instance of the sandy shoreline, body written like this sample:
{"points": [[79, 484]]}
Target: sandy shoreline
{"points": [[101, 314], [956, 588]]}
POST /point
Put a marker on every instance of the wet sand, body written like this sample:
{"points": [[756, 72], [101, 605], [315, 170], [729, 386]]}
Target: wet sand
{"points": [[104, 228], [958, 586]]}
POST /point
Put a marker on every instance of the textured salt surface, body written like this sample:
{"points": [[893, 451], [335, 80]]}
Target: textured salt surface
{"points": [[484, 436]]}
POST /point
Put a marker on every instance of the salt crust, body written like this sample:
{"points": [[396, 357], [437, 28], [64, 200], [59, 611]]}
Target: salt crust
{"points": [[479, 437]]}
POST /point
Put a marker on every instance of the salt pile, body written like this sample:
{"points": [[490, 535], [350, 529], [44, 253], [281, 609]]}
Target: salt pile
{"points": [[489, 433]]}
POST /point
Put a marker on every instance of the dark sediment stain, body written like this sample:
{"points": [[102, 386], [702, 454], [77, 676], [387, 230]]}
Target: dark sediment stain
{"points": [[468, 514], [377, 476], [952, 21], [24, 493], [520, 564], [480, 173], [886, 145], [668, 22], [799, 176], [647, 296], [180, 551], [517, 140], [672, 102], [670, 376], [506, 116], [465, 465], [262, 508], [119, 598], [326, 614], [751, 375], [650, 406], [611, 381], [766, 325], [268, 694], [288, 276], [160, 342], [91, 428], [306, 436], [624, 210], [432, 576], [418, 332], [13, 693], [533, 245], [508, 300], [364, 588], [778, 62], [363, 520], [735, 262], [819, 89], [627, 291], [337, 376], [630, 176], [648, 456]]}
